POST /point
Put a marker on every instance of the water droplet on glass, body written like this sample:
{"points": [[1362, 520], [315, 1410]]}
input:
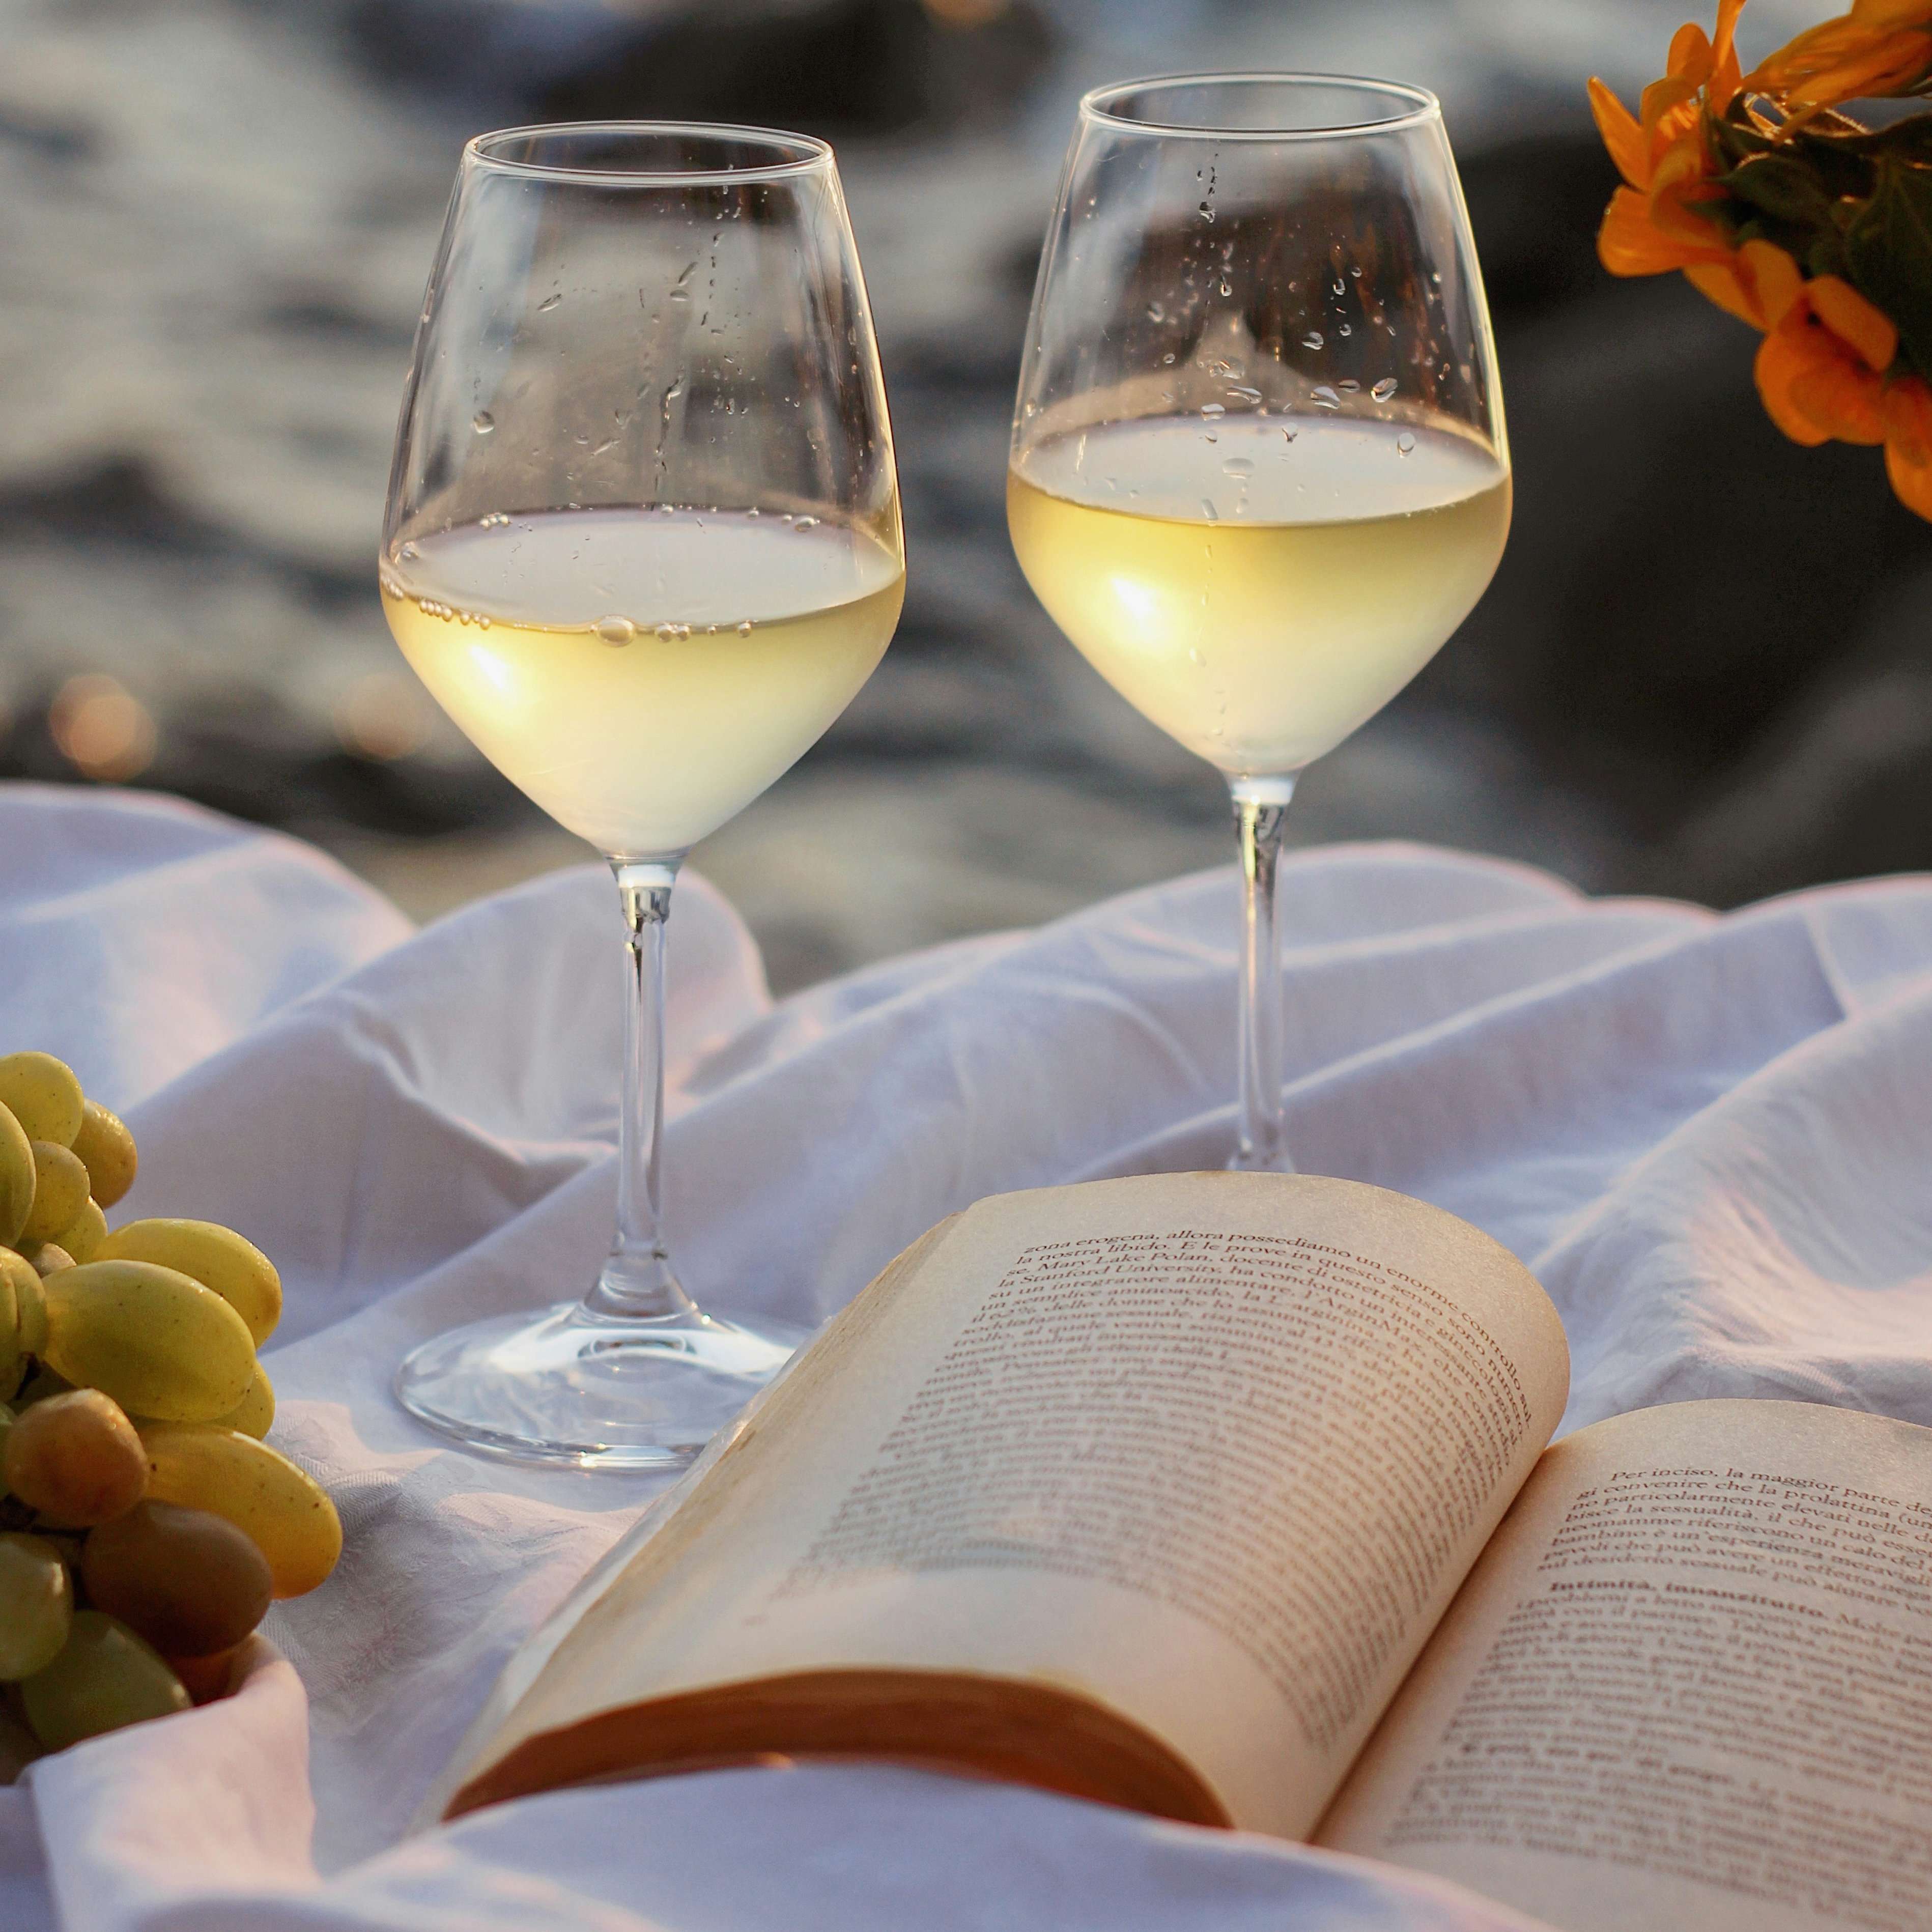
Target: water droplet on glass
{"points": [[1357, 273], [548, 303], [1384, 389], [1325, 398], [1156, 312], [410, 553], [1337, 287], [1242, 393], [680, 295], [482, 422], [615, 631], [672, 633], [1288, 435], [1404, 443], [1345, 330], [1227, 286], [745, 629], [1213, 408], [1238, 466], [1208, 511], [804, 523], [1168, 357], [1206, 213], [1313, 339], [1349, 386]]}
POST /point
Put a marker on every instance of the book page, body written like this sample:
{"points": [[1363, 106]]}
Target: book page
{"points": [[1212, 1451], [1690, 1683]]}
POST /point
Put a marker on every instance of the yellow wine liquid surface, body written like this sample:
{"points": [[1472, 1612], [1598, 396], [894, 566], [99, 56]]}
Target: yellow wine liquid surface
{"points": [[1258, 594], [644, 674]]}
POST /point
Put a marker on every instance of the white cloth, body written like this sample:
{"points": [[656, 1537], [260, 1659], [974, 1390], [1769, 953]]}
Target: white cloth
{"points": [[1710, 1136]]}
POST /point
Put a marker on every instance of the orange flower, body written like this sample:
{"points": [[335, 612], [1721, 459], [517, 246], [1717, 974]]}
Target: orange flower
{"points": [[1907, 415], [1880, 47], [1821, 371], [1651, 225]]}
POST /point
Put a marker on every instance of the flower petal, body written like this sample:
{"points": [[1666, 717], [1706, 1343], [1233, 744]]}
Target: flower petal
{"points": [[1849, 315], [1779, 361], [1622, 135], [1908, 444]]}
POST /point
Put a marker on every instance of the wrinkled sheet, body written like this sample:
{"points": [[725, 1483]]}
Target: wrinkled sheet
{"points": [[1710, 1136]]}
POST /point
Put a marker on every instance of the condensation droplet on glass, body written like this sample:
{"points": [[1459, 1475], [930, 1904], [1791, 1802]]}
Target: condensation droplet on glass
{"points": [[1404, 443], [1287, 435], [1213, 408], [1227, 286], [805, 522], [615, 631], [1357, 273], [1337, 285], [482, 422], [1206, 213], [1156, 312], [1345, 330], [672, 633], [1384, 389], [1195, 655], [1349, 386], [1238, 466], [410, 553], [745, 629], [1168, 357], [548, 303], [1208, 511], [1313, 339], [1324, 397]]}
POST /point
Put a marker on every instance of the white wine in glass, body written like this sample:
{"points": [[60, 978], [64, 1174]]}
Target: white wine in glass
{"points": [[1259, 473], [644, 545]]}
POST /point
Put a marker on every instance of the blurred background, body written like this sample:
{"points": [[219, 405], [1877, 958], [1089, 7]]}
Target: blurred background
{"points": [[1704, 670]]}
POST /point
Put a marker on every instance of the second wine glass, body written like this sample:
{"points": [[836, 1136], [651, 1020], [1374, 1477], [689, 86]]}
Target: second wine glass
{"points": [[643, 544], [1258, 469]]}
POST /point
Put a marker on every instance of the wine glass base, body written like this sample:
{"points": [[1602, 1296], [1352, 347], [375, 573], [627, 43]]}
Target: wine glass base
{"points": [[602, 1392]]}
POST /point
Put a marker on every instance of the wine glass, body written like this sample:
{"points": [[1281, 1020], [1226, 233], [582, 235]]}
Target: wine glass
{"points": [[642, 544], [1258, 470]]}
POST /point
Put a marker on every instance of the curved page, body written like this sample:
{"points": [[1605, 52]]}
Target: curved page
{"points": [[1150, 1489]]}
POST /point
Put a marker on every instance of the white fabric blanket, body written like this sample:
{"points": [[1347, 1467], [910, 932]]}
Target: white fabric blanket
{"points": [[1711, 1137]]}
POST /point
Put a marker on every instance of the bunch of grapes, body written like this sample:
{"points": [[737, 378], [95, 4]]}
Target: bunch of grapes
{"points": [[145, 1525]]}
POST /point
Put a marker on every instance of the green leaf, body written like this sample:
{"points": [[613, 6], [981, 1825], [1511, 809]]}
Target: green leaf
{"points": [[1784, 187], [1889, 255]]}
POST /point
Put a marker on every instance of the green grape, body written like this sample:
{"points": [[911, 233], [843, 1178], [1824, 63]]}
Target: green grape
{"points": [[187, 1580], [253, 1413], [161, 1344], [49, 1258], [76, 1458], [12, 1356], [105, 1678], [283, 1509], [6, 1430], [16, 1178], [106, 1149], [43, 1095], [30, 1304], [85, 1233], [60, 1191], [36, 1605], [217, 1257]]}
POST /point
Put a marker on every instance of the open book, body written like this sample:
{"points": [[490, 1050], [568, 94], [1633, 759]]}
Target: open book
{"points": [[1227, 1497]]}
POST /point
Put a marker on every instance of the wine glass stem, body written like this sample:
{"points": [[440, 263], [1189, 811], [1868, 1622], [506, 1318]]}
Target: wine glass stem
{"points": [[1261, 816], [637, 1278]]}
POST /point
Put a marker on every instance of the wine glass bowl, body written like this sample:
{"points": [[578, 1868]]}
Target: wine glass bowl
{"points": [[1259, 471], [642, 544]]}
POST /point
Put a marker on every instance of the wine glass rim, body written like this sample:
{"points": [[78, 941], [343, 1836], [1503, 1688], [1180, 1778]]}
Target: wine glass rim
{"points": [[1420, 105], [794, 153]]}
